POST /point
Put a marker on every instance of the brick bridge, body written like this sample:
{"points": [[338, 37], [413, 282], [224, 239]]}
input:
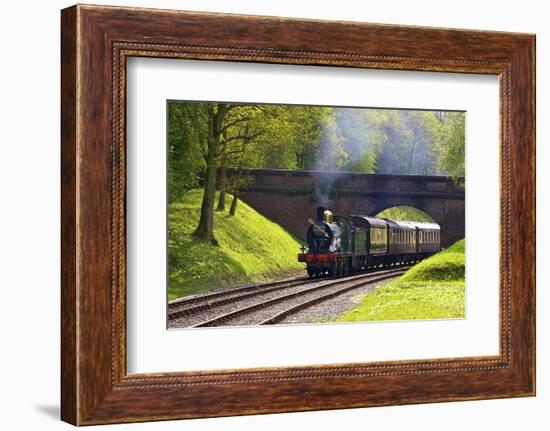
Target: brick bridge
{"points": [[290, 197]]}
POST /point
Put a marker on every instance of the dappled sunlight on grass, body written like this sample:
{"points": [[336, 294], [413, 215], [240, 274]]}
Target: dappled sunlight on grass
{"points": [[250, 248]]}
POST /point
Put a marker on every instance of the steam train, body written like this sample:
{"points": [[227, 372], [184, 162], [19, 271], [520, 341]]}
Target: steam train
{"points": [[339, 245]]}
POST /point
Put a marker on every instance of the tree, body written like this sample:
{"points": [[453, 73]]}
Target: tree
{"points": [[216, 113], [238, 130], [412, 144], [226, 123], [425, 130], [306, 131], [363, 137], [452, 149], [187, 131]]}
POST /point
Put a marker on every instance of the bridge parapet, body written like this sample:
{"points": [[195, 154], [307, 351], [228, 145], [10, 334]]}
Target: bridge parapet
{"points": [[343, 182]]}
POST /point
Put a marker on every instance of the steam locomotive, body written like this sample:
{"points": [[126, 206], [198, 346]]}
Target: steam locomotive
{"points": [[339, 245]]}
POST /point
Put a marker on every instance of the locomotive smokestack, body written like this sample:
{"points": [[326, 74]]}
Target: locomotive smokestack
{"points": [[320, 214]]}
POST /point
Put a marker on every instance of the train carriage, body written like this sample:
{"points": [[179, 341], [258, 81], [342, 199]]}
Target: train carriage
{"points": [[402, 240], [429, 240], [373, 245]]}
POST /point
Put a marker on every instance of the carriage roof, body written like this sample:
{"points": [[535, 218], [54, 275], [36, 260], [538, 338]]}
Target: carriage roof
{"points": [[425, 226], [400, 225], [367, 222]]}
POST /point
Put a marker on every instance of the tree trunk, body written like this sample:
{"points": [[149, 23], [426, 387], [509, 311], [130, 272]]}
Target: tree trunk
{"points": [[233, 208], [205, 229], [221, 199]]}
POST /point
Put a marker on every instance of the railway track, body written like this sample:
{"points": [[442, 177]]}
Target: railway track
{"points": [[268, 303], [198, 303]]}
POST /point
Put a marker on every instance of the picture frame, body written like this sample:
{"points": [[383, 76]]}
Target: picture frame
{"points": [[96, 42]]}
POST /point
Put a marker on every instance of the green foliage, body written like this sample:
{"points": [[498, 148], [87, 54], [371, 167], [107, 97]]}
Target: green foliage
{"points": [[187, 131], [250, 248], [311, 137], [406, 213], [412, 142], [307, 129], [452, 152], [363, 137], [432, 289], [332, 154]]}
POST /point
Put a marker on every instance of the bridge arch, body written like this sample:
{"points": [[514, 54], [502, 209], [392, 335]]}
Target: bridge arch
{"points": [[447, 213], [405, 212]]}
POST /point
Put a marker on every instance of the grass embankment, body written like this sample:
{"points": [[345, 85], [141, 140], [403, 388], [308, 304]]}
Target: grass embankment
{"points": [[250, 248], [405, 213], [432, 289]]}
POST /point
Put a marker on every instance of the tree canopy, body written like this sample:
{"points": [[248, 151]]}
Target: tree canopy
{"points": [[302, 137]]}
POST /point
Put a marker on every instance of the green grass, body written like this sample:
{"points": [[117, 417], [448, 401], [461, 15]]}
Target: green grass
{"points": [[433, 289], [250, 248], [405, 213]]}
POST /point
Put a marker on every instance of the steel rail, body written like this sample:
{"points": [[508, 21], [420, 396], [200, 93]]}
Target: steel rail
{"points": [[297, 308], [371, 277], [184, 306]]}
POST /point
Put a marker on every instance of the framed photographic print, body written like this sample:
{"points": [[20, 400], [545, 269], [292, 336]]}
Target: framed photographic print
{"points": [[265, 215]]}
